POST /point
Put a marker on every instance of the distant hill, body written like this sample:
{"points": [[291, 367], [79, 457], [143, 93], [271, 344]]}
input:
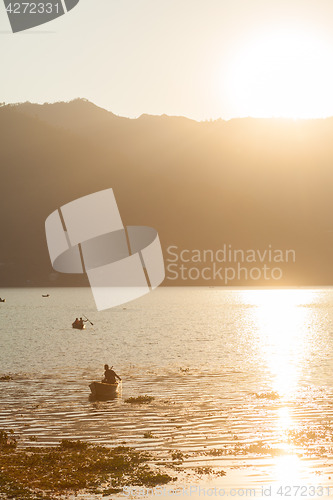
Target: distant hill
{"points": [[248, 182]]}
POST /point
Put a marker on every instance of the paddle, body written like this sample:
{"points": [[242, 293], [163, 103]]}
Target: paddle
{"points": [[92, 324]]}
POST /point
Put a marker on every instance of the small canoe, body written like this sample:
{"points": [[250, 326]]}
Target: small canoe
{"points": [[100, 390], [2, 300], [46, 295], [78, 326]]}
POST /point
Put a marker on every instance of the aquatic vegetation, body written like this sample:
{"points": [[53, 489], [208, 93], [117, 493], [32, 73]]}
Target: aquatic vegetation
{"points": [[309, 435], [177, 456], [220, 473], [320, 435], [7, 440], [146, 477], [69, 444], [148, 435], [258, 448], [267, 395], [12, 490], [203, 470], [6, 378], [72, 466], [301, 437], [140, 400], [217, 452]]}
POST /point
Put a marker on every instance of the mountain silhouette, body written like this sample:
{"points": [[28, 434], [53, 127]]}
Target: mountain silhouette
{"points": [[245, 182]]}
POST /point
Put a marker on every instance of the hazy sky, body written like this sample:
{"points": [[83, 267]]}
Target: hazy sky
{"points": [[198, 58]]}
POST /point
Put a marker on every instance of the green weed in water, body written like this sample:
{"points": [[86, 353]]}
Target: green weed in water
{"points": [[72, 466], [140, 400]]}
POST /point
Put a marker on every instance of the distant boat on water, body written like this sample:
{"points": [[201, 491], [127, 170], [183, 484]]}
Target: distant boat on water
{"points": [[47, 295], [78, 325], [2, 300]]}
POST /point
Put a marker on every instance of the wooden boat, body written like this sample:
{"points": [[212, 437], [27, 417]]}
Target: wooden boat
{"points": [[2, 300], [78, 326], [47, 295], [102, 391]]}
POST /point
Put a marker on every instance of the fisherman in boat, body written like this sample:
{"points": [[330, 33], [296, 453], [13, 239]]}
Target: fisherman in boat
{"points": [[110, 376], [76, 322]]}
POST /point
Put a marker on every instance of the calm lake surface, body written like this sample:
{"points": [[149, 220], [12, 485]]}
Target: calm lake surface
{"points": [[231, 370]]}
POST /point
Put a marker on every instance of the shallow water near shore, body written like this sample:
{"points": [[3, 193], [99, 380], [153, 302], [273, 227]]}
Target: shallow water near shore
{"points": [[242, 379]]}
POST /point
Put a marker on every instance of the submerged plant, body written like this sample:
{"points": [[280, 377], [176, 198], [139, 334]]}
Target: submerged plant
{"points": [[177, 456], [203, 470], [140, 400], [7, 440], [72, 466], [69, 444], [267, 395]]}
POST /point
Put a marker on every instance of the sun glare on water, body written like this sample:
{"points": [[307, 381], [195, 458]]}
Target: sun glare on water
{"points": [[287, 73], [281, 328]]}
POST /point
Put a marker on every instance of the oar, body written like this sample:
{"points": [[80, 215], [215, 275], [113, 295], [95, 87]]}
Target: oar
{"points": [[92, 324]]}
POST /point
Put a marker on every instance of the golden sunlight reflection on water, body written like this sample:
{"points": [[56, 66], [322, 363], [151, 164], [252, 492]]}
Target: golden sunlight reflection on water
{"points": [[291, 470], [282, 327], [284, 424]]}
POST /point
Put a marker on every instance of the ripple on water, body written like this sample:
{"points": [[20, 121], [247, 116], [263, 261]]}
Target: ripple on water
{"points": [[203, 354]]}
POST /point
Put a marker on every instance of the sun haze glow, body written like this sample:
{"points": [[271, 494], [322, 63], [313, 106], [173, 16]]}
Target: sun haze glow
{"points": [[284, 73]]}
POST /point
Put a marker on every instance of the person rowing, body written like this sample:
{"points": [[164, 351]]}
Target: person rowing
{"points": [[82, 321], [79, 323], [110, 376]]}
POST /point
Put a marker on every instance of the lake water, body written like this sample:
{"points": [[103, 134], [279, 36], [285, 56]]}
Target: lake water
{"points": [[232, 371]]}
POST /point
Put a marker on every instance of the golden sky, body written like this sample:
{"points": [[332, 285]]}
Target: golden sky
{"points": [[198, 58]]}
